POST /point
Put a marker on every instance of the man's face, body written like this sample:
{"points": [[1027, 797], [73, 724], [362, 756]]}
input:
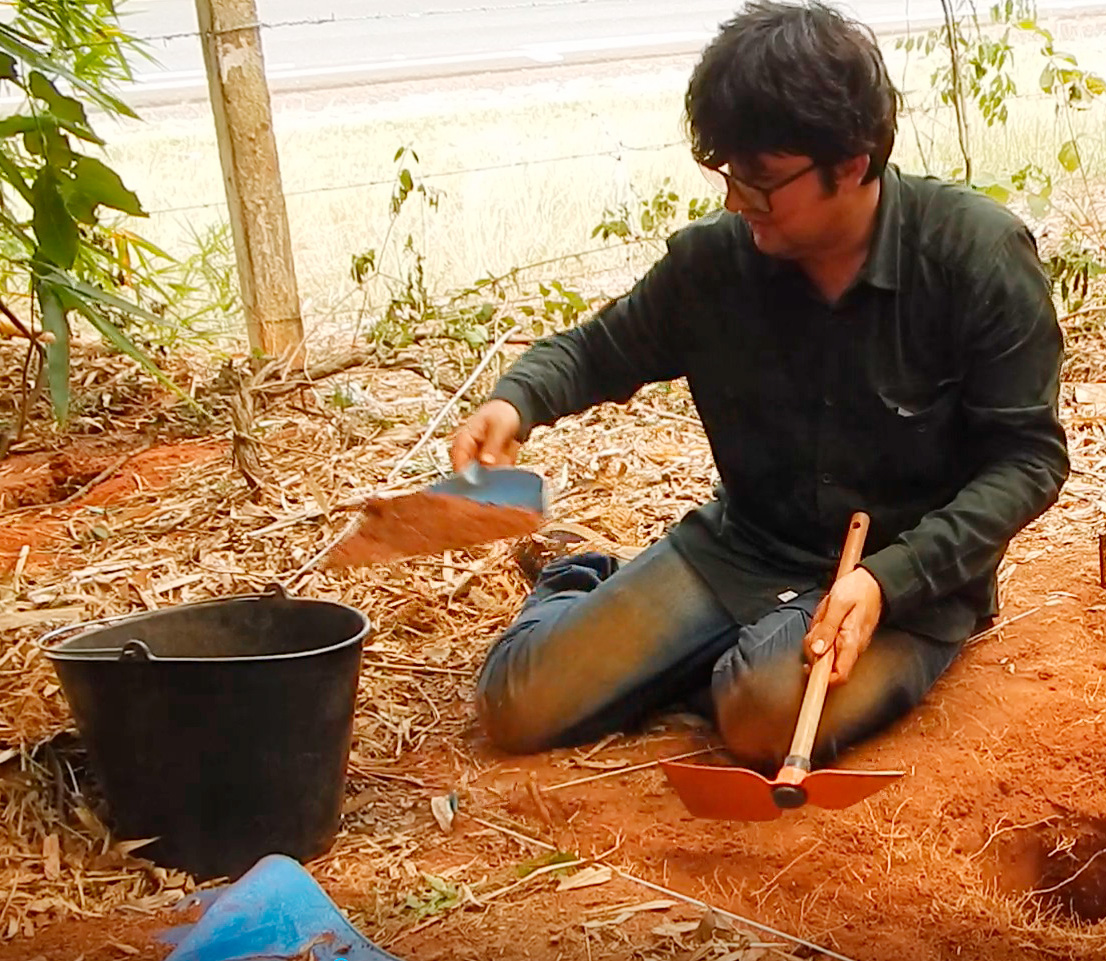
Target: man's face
{"points": [[786, 204]]}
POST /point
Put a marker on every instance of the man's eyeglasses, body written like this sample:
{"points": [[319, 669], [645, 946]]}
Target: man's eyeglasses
{"points": [[758, 199]]}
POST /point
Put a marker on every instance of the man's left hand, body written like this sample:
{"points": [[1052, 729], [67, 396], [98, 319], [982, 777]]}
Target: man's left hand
{"points": [[845, 620]]}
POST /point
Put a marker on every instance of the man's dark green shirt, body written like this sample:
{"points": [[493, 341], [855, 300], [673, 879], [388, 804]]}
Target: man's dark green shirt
{"points": [[926, 396]]}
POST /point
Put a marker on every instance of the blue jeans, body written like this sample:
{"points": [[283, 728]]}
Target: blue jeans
{"points": [[600, 647]]}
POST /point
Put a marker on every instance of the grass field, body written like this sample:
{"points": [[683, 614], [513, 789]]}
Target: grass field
{"points": [[526, 164]]}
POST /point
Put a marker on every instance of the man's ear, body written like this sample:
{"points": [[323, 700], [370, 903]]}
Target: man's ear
{"points": [[850, 174]]}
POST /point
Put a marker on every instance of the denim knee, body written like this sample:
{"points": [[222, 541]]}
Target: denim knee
{"points": [[778, 634], [757, 685], [509, 720], [578, 573]]}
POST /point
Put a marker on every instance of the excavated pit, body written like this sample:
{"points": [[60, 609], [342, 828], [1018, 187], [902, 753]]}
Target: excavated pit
{"points": [[1059, 868]]}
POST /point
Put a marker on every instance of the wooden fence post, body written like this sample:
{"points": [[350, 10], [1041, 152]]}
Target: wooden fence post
{"points": [[251, 174]]}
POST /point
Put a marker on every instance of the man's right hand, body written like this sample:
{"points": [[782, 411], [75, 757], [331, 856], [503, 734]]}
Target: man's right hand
{"points": [[488, 436]]}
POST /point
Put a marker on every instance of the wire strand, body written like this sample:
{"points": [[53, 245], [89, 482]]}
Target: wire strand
{"points": [[613, 153], [334, 19]]}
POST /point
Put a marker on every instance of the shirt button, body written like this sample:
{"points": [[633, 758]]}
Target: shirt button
{"points": [[827, 400], [827, 478]]}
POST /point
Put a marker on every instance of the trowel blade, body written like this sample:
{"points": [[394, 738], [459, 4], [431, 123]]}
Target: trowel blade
{"points": [[722, 793], [737, 794], [827, 788], [479, 507]]}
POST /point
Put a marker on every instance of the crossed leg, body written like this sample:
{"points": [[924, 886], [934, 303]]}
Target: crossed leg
{"points": [[600, 647]]}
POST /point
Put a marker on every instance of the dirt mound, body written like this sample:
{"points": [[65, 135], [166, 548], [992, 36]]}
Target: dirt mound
{"points": [[87, 473]]}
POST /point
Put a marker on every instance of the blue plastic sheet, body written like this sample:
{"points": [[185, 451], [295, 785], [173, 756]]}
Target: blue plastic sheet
{"points": [[275, 911]]}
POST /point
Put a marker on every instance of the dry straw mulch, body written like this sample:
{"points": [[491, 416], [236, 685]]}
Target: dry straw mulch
{"points": [[280, 471]]}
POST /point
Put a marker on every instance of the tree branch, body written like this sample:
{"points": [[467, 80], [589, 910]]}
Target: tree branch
{"points": [[958, 103], [36, 339]]}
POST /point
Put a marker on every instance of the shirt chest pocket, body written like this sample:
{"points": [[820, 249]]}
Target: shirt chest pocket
{"points": [[916, 433]]}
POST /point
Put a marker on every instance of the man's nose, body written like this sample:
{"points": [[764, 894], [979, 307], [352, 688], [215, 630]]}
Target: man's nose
{"points": [[735, 203]]}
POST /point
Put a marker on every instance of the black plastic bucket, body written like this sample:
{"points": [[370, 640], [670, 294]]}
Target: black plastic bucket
{"points": [[222, 728]]}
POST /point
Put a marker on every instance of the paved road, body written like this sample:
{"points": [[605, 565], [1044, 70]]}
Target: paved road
{"points": [[332, 42]]}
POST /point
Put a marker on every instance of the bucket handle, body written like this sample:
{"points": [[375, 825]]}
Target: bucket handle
{"points": [[60, 632], [132, 650], [136, 650]]}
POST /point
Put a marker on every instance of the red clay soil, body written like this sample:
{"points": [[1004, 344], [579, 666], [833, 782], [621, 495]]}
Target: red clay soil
{"points": [[93, 939], [1004, 796], [45, 479], [392, 528]]}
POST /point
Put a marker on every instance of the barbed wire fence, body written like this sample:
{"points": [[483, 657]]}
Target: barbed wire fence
{"points": [[610, 146]]}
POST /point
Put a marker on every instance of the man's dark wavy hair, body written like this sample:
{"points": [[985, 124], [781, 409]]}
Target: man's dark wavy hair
{"points": [[793, 79]]}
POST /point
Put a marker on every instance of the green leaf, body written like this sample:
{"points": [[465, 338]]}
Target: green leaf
{"points": [[57, 353], [34, 143], [58, 151], [11, 44], [475, 336], [1048, 79], [54, 227], [23, 124], [997, 192], [102, 185], [406, 180], [17, 124], [1069, 156], [1038, 205], [63, 107], [7, 68], [120, 341], [49, 142], [1095, 84], [81, 207], [81, 290], [84, 133], [144, 244]]}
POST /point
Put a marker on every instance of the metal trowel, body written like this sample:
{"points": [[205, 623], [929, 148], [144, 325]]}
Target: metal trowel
{"points": [[476, 505]]}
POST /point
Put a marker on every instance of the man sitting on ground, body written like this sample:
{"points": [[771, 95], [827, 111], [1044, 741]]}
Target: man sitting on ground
{"points": [[854, 338]]}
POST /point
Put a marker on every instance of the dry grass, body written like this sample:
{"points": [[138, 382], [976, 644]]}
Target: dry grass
{"points": [[622, 474], [208, 536], [526, 170]]}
